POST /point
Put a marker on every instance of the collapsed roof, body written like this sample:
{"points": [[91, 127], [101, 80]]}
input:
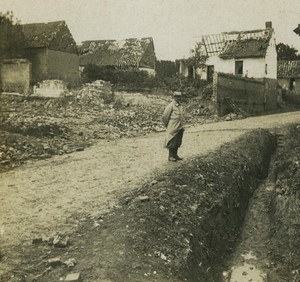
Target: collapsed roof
{"points": [[234, 45], [288, 69], [128, 52]]}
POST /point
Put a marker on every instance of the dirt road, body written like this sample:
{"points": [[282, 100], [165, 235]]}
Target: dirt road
{"points": [[41, 196]]}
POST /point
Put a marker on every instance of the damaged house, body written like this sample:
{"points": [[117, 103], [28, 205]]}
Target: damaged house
{"points": [[289, 72], [52, 51], [123, 54], [245, 53], [289, 75]]}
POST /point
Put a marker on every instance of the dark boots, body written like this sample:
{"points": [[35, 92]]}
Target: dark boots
{"points": [[173, 155], [176, 155]]}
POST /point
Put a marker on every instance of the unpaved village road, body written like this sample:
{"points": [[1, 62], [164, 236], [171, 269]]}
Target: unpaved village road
{"points": [[41, 196]]}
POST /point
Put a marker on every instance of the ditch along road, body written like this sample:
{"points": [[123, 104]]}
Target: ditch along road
{"points": [[42, 197]]}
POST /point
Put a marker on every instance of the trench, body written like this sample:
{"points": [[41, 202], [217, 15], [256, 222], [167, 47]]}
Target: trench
{"points": [[269, 244], [206, 222], [248, 255], [240, 249], [248, 262]]}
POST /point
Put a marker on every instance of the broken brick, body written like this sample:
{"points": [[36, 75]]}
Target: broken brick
{"points": [[73, 277], [54, 262]]}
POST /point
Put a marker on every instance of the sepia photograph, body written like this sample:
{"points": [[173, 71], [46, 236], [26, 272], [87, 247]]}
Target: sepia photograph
{"points": [[149, 140]]}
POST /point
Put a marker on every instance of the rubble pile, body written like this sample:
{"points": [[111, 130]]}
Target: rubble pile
{"points": [[39, 127], [233, 116], [50, 88]]}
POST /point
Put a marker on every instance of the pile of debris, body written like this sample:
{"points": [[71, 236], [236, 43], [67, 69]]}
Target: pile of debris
{"points": [[50, 88], [38, 126], [233, 116]]}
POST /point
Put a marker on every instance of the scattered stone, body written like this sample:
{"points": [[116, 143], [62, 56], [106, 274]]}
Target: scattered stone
{"points": [[280, 191], [60, 242], [48, 239], [163, 257], [73, 277], [54, 262], [70, 262], [194, 208], [142, 199], [136, 266], [37, 240], [162, 208], [225, 274]]}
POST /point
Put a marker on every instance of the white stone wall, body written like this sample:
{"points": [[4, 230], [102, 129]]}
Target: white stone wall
{"points": [[183, 69]]}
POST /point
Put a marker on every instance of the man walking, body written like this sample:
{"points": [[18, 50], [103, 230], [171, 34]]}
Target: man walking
{"points": [[173, 121]]}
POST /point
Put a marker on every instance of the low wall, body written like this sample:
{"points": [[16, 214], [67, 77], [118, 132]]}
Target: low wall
{"points": [[254, 96], [15, 75]]}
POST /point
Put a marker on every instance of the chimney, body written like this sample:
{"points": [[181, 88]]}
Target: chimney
{"points": [[268, 25]]}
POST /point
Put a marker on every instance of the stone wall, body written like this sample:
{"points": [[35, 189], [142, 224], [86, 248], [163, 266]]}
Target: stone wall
{"points": [[38, 59], [63, 66], [50, 64], [15, 76], [254, 96]]}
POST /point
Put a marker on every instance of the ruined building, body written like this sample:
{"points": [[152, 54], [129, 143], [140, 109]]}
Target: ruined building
{"points": [[243, 53], [119, 54]]}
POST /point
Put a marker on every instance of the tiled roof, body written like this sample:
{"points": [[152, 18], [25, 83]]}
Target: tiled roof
{"points": [[54, 35], [243, 44], [286, 69], [120, 53]]}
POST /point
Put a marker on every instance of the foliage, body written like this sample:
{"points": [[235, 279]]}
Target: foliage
{"points": [[8, 18], [166, 68], [199, 55], [115, 76], [207, 91], [286, 52], [11, 37], [136, 80]]}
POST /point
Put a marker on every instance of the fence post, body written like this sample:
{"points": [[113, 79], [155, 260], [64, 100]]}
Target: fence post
{"points": [[214, 98]]}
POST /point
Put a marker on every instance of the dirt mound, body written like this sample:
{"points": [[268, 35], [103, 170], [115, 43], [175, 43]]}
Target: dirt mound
{"points": [[284, 245], [178, 226]]}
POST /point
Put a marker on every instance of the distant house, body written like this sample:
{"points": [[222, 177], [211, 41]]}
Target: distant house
{"points": [[244, 53], [52, 51], [123, 54], [289, 75]]}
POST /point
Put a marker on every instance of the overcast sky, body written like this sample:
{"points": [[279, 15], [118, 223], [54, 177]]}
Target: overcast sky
{"points": [[174, 24]]}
